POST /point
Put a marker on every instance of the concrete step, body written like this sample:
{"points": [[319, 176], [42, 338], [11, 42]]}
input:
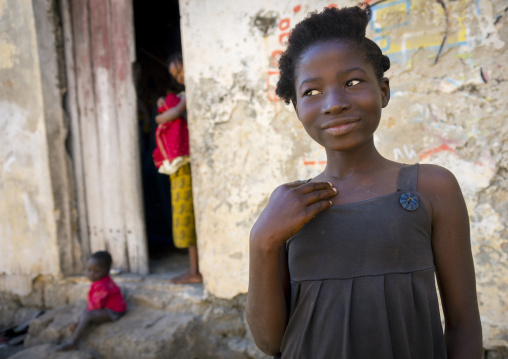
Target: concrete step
{"points": [[142, 333], [162, 321]]}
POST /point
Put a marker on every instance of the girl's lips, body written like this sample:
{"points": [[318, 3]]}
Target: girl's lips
{"points": [[341, 128]]}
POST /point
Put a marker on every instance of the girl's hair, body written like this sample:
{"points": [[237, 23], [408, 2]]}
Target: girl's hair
{"points": [[175, 57], [346, 24], [174, 86], [104, 258]]}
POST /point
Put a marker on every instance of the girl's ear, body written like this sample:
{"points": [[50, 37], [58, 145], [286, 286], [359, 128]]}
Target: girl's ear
{"points": [[385, 91]]}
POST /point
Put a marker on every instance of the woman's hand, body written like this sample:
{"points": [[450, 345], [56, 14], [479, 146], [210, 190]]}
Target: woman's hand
{"points": [[291, 206]]}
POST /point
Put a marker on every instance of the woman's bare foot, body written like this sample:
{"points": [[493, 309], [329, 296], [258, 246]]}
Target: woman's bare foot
{"points": [[66, 346], [187, 277]]}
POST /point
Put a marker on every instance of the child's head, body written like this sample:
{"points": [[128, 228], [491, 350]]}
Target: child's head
{"points": [[98, 266], [333, 75], [346, 25], [175, 65]]}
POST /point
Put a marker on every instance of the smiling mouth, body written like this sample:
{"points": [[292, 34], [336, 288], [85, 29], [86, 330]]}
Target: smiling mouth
{"points": [[340, 126]]}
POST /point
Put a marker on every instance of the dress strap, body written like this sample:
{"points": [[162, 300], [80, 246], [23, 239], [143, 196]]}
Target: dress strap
{"points": [[408, 178]]}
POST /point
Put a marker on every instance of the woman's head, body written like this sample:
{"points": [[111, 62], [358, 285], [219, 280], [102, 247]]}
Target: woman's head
{"points": [[175, 65], [98, 265], [346, 25]]}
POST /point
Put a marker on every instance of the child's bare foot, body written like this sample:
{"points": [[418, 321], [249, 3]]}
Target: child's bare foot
{"points": [[66, 346], [73, 327], [187, 277]]}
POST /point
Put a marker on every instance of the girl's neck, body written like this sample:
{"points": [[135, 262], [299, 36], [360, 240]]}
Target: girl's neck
{"points": [[343, 164]]}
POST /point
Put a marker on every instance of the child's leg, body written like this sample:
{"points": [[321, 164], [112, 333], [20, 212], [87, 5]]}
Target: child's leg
{"points": [[193, 275], [184, 227], [88, 317]]}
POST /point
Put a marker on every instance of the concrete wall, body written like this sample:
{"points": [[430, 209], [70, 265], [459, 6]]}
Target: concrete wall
{"points": [[448, 107], [35, 200]]}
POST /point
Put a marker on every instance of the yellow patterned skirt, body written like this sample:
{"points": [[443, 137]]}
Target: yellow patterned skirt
{"points": [[184, 228]]}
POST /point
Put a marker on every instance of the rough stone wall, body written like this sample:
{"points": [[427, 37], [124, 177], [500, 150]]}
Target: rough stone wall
{"points": [[31, 214], [448, 106]]}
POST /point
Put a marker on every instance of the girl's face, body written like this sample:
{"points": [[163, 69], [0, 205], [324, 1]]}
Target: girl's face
{"points": [[338, 96], [176, 70], [95, 270]]}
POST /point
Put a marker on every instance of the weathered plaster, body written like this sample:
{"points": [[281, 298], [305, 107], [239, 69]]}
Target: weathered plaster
{"points": [[28, 215], [447, 107]]}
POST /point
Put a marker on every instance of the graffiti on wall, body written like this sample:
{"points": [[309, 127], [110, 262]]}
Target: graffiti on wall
{"points": [[400, 39]]}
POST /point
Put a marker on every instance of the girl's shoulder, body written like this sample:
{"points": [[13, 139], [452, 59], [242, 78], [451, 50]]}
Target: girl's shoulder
{"points": [[434, 177], [438, 187]]}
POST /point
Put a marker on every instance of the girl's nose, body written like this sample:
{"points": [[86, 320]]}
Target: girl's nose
{"points": [[335, 103]]}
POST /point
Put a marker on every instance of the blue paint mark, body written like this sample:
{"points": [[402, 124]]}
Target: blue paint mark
{"points": [[402, 56], [378, 40], [455, 83], [390, 4], [478, 9]]}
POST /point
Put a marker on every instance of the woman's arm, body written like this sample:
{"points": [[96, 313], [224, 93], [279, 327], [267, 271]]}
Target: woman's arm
{"points": [[173, 113], [454, 262], [290, 207]]}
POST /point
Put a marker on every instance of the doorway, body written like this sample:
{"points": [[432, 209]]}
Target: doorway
{"points": [[157, 36]]}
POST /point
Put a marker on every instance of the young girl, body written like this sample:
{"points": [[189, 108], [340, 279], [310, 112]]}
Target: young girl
{"points": [[105, 301], [343, 265], [184, 232]]}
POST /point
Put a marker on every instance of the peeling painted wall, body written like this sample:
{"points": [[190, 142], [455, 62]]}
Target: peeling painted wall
{"points": [[34, 184], [448, 107]]}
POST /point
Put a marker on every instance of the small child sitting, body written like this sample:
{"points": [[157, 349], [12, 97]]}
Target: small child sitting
{"points": [[105, 301]]}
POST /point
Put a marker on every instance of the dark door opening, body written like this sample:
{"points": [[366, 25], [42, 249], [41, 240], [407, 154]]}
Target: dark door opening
{"points": [[157, 34]]}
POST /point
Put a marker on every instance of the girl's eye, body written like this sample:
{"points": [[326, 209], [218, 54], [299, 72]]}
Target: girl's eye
{"points": [[311, 93], [352, 83]]}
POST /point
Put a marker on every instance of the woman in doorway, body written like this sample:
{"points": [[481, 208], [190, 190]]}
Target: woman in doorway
{"points": [[178, 168]]}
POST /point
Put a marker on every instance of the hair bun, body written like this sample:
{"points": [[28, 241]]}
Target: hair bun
{"points": [[385, 62]]}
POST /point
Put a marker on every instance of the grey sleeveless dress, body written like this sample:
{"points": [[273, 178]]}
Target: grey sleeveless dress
{"points": [[362, 281]]}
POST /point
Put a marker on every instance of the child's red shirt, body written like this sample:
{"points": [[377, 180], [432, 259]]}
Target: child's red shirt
{"points": [[105, 294]]}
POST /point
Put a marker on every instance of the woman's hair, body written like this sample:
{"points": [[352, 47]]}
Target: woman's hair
{"points": [[104, 258], [175, 57], [346, 24]]}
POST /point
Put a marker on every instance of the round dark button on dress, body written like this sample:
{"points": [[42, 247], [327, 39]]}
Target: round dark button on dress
{"points": [[409, 201]]}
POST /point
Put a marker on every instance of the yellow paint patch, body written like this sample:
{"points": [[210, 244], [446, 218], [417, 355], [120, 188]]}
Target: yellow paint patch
{"points": [[401, 26]]}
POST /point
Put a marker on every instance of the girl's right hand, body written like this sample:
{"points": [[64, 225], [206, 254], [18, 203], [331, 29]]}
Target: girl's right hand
{"points": [[291, 206]]}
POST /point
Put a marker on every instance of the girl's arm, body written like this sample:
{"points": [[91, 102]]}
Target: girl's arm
{"points": [[454, 261], [290, 207], [173, 113]]}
